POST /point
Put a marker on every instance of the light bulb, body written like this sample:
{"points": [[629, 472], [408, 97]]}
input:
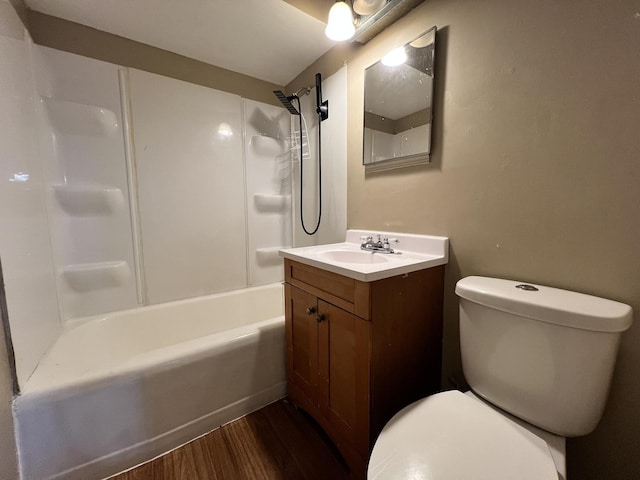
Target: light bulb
{"points": [[395, 57], [340, 25]]}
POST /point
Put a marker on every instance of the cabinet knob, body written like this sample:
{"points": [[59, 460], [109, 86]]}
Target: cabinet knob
{"points": [[320, 318], [310, 310]]}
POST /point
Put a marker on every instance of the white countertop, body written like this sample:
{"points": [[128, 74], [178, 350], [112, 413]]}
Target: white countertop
{"points": [[412, 253]]}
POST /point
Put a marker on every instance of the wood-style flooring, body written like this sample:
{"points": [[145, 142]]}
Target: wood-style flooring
{"points": [[276, 442]]}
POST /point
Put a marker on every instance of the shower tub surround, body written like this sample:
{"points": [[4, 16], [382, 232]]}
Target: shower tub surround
{"points": [[151, 352], [119, 389], [135, 168]]}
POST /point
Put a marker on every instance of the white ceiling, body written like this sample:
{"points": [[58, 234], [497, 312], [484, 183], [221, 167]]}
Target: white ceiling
{"points": [[395, 92], [267, 39]]}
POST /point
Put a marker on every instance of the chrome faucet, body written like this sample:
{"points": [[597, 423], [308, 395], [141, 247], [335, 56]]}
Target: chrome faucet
{"points": [[380, 246]]}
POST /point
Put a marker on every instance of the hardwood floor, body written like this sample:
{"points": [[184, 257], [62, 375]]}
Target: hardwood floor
{"points": [[276, 442]]}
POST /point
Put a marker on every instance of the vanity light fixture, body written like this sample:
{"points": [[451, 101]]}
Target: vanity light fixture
{"points": [[340, 25], [361, 20], [368, 7], [395, 57]]}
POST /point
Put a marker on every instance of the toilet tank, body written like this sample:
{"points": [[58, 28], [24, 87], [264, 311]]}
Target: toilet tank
{"points": [[542, 354]]}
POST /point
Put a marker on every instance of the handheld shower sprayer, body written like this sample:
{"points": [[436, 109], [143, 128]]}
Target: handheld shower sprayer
{"points": [[322, 109]]}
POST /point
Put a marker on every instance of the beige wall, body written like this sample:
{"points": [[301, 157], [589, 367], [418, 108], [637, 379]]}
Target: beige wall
{"points": [[416, 119], [381, 124], [388, 125], [535, 170]]}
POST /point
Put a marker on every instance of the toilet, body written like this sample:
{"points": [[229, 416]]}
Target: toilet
{"points": [[539, 361]]}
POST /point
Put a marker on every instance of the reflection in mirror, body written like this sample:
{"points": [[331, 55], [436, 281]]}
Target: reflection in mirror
{"points": [[398, 93]]}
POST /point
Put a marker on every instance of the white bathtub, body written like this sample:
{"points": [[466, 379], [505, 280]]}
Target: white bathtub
{"points": [[118, 389]]}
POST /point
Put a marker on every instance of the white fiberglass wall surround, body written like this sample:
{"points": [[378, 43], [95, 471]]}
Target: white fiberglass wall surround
{"points": [[333, 225], [188, 151], [268, 176], [381, 145], [25, 253], [85, 169], [209, 222], [191, 186], [25, 250]]}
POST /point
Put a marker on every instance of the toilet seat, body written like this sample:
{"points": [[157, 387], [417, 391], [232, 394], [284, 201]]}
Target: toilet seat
{"points": [[450, 436]]}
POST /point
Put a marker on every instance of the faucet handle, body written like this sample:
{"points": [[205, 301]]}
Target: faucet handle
{"points": [[386, 245], [365, 241]]}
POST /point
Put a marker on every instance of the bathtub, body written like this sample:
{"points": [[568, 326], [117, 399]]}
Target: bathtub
{"points": [[118, 389]]}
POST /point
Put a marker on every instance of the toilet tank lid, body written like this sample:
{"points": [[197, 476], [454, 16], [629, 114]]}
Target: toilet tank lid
{"points": [[547, 304]]}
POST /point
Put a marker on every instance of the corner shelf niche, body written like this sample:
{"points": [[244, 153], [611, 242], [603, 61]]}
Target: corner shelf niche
{"points": [[88, 200], [80, 119], [267, 146], [271, 202], [85, 277], [269, 255]]}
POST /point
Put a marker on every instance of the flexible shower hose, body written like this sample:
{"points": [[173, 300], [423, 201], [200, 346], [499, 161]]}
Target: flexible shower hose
{"points": [[304, 228]]}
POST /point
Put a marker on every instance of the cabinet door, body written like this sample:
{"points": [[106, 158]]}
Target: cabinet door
{"points": [[302, 341], [343, 353]]}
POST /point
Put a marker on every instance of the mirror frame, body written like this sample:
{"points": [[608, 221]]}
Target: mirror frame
{"points": [[426, 61]]}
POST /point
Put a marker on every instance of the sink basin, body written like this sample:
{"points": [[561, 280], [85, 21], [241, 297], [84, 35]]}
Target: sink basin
{"points": [[413, 252], [353, 256]]}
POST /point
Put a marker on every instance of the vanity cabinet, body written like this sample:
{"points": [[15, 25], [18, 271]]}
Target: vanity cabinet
{"points": [[358, 352]]}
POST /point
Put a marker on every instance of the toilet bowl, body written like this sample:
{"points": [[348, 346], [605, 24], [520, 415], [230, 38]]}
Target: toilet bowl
{"points": [[522, 348], [454, 435]]}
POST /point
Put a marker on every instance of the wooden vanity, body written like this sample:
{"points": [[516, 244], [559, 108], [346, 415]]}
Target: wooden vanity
{"points": [[358, 352]]}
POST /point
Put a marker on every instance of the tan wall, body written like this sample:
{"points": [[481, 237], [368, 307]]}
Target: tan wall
{"points": [[421, 117], [535, 170], [381, 124], [388, 125], [21, 9], [82, 40]]}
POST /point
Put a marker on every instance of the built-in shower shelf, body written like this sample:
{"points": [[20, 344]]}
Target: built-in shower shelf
{"points": [[268, 146], [269, 255], [85, 277], [79, 118], [88, 200], [271, 202]]}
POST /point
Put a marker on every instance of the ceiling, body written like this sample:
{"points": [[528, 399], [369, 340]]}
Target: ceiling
{"points": [[267, 39], [395, 92]]}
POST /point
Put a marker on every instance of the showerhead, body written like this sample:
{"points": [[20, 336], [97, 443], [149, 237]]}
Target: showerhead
{"points": [[286, 101]]}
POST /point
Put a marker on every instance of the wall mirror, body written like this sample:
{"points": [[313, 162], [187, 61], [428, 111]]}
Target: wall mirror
{"points": [[398, 94]]}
